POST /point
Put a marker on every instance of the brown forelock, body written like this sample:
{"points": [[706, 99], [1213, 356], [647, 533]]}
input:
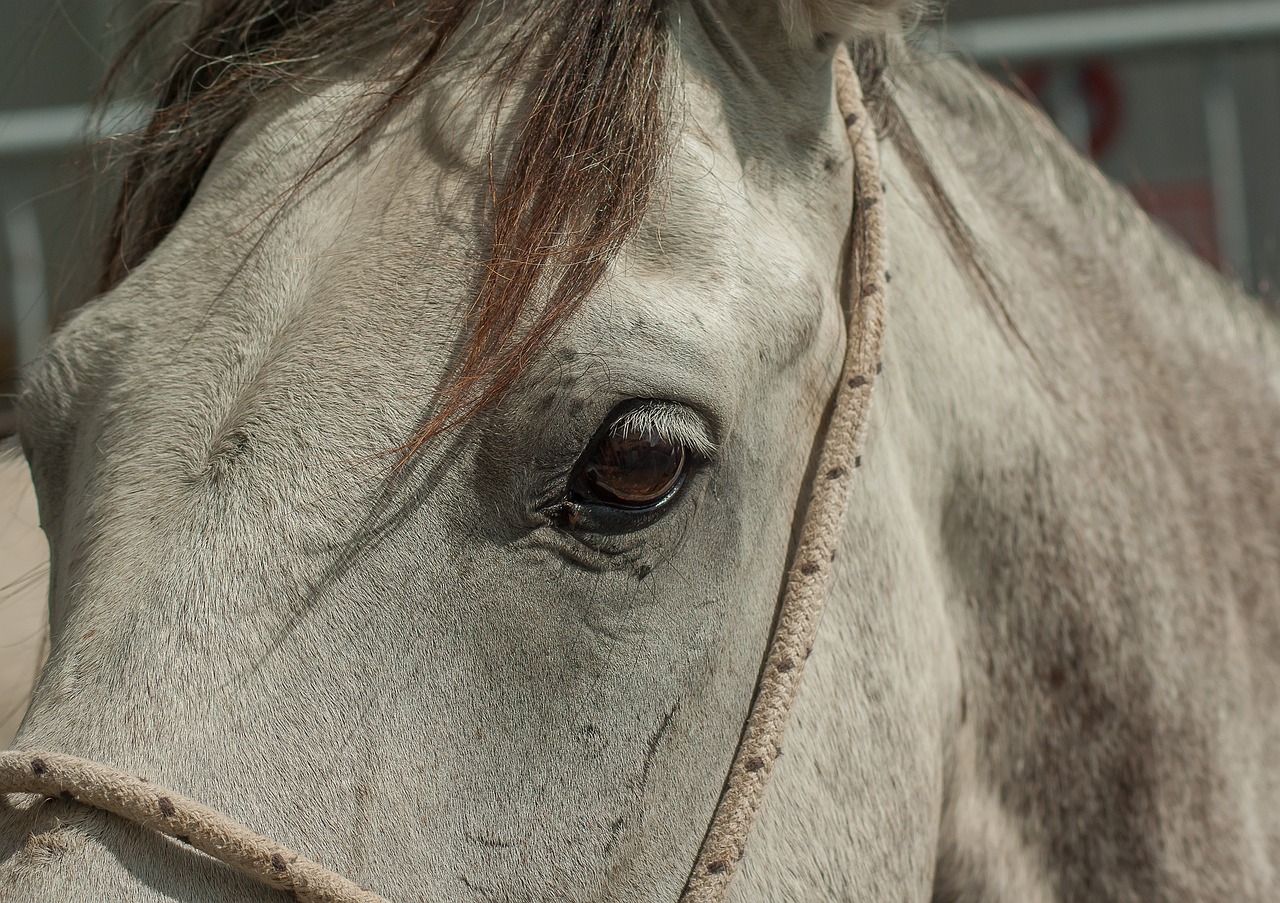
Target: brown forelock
{"points": [[586, 161], [590, 142]]}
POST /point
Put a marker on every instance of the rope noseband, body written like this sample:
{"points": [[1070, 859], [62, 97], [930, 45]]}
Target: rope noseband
{"points": [[211, 832], [166, 812]]}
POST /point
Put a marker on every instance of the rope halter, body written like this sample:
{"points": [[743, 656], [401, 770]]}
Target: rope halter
{"points": [[810, 577], [808, 582]]}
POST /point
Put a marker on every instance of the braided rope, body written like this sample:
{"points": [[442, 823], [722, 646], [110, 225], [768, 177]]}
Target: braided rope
{"points": [[810, 577], [261, 858], [162, 810]]}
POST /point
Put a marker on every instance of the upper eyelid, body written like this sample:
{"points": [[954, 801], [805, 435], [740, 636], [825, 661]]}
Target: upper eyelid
{"points": [[673, 422]]}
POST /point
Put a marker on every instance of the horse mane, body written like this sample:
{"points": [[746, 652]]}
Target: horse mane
{"points": [[1109, 244], [591, 138]]}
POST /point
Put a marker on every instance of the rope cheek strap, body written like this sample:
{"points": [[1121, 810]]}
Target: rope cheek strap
{"points": [[258, 857], [810, 576]]}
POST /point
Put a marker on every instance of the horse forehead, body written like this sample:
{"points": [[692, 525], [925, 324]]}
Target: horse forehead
{"points": [[718, 305], [722, 261], [389, 241], [724, 267]]}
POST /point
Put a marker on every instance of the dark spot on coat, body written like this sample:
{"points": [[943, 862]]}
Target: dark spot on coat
{"points": [[654, 740], [1057, 677], [166, 807]]}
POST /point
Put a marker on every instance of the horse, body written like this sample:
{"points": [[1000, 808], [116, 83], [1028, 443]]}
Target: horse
{"points": [[421, 485]]}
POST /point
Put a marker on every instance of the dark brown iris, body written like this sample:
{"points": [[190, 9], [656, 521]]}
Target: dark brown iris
{"points": [[631, 471]]}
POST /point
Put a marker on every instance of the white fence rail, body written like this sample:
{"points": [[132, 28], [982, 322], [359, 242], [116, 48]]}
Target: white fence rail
{"points": [[1099, 32], [45, 130]]}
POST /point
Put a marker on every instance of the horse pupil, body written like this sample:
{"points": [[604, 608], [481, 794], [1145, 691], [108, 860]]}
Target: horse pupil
{"points": [[634, 471]]}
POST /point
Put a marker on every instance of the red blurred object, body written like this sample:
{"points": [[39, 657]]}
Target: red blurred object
{"points": [[1098, 85], [1188, 209]]}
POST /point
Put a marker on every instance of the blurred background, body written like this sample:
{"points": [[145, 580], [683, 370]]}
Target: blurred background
{"points": [[1177, 99]]}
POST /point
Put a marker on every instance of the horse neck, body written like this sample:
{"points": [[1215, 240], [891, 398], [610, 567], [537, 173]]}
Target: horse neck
{"points": [[1073, 251], [1093, 310], [1049, 477]]}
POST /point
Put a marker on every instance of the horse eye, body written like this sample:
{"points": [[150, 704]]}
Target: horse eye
{"points": [[630, 471]]}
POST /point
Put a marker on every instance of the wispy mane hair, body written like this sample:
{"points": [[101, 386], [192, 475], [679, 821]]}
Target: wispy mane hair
{"points": [[591, 138]]}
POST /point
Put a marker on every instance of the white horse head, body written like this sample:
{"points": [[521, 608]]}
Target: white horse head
{"points": [[437, 529]]}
